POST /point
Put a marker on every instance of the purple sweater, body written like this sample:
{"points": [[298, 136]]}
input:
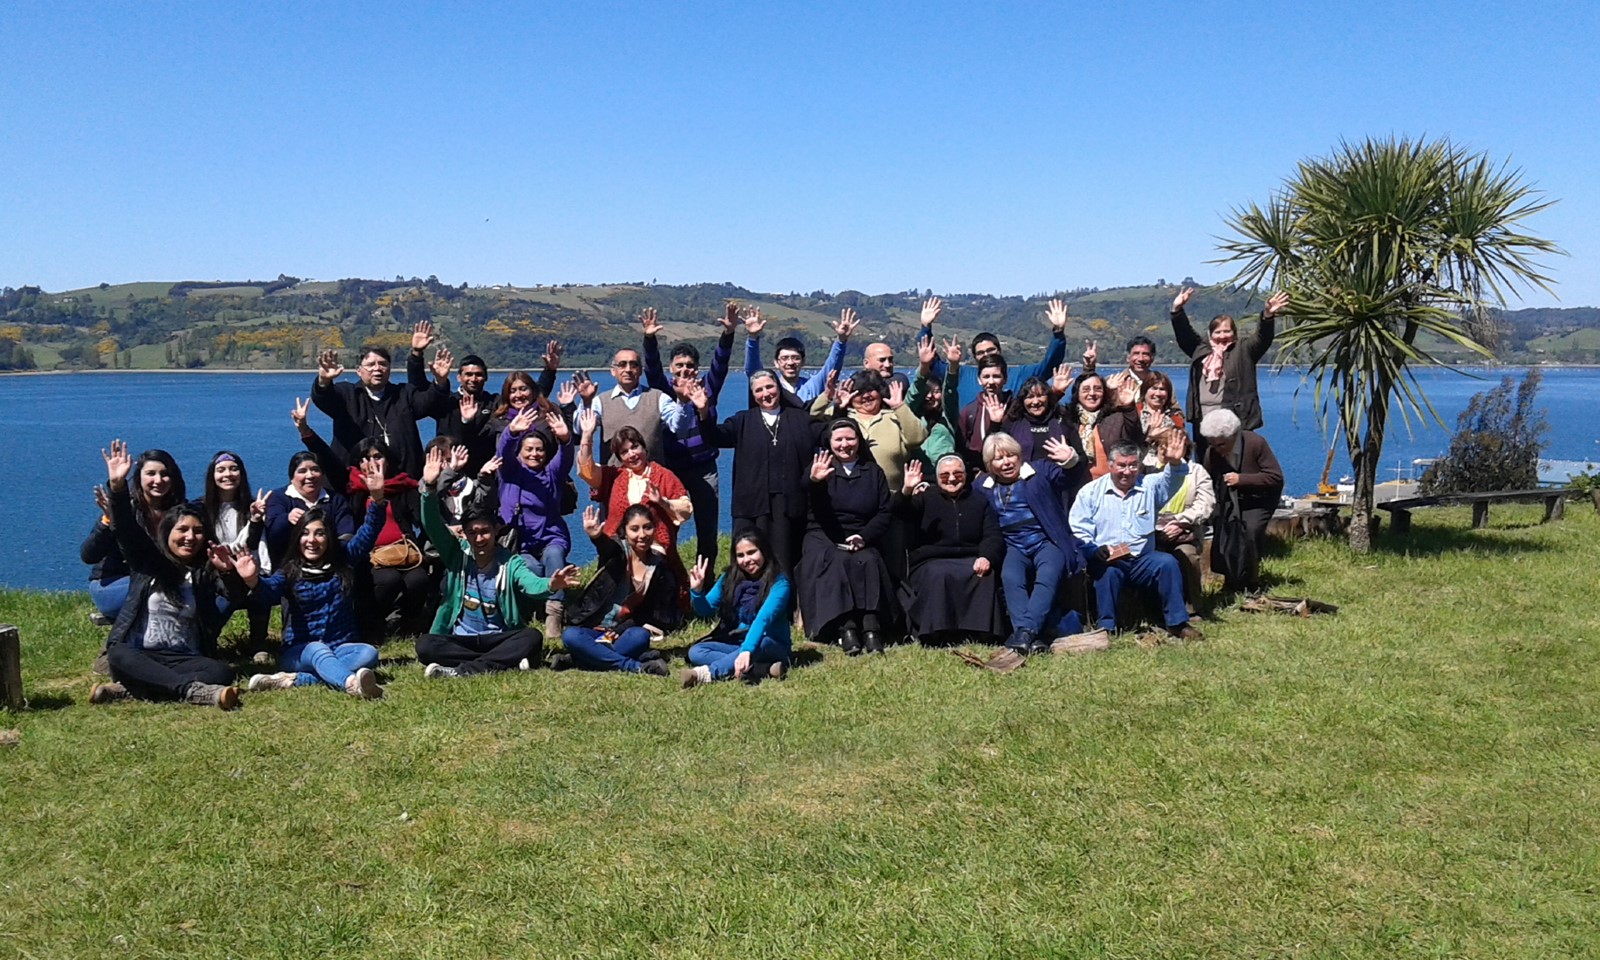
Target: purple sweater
{"points": [[530, 500]]}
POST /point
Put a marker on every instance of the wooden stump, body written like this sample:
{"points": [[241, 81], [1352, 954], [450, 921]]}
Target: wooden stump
{"points": [[10, 667]]}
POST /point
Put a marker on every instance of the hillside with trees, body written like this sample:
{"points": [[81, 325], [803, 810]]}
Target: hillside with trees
{"points": [[284, 322]]}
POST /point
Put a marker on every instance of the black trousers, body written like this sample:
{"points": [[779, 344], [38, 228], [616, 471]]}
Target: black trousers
{"points": [[484, 653], [783, 534], [405, 591], [703, 495], [163, 674]]}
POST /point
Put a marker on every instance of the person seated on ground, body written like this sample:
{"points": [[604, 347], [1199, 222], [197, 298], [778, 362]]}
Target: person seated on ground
{"points": [[158, 487], [376, 409], [1126, 387], [790, 357], [487, 595], [1222, 368], [163, 644], [535, 466], [772, 447], [1041, 553], [1157, 413], [987, 344], [751, 604], [638, 480], [844, 587], [632, 598], [1181, 525], [1248, 484], [951, 593], [1099, 426], [688, 454], [308, 487], [316, 585], [237, 521], [1115, 519], [396, 577]]}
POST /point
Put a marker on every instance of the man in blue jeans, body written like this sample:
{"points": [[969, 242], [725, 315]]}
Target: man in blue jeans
{"points": [[1115, 518]]}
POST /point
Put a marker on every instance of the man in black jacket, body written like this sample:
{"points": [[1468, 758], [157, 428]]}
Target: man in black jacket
{"points": [[467, 420], [376, 408]]}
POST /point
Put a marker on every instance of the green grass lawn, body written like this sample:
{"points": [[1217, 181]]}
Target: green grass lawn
{"points": [[1415, 777]]}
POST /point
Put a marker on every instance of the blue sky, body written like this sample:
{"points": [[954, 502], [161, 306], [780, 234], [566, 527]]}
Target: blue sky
{"points": [[1002, 148]]}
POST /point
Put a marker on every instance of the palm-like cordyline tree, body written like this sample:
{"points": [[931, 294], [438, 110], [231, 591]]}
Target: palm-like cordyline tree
{"points": [[1378, 245]]}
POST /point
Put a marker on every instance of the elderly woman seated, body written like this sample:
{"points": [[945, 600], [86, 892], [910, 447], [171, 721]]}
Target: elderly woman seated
{"points": [[1248, 484], [955, 556]]}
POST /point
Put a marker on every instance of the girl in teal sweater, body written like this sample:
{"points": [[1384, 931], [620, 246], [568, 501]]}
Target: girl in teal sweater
{"points": [[752, 604]]}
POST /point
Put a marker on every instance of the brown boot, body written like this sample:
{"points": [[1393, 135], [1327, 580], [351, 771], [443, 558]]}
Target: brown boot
{"points": [[212, 695], [554, 611], [108, 693]]}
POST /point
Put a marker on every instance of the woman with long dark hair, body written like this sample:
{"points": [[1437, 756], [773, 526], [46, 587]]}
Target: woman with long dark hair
{"points": [[751, 604], [316, 585], [638, 481], [164, 642], [237, 522], [1098, 426], [632, 597], [156, 488]]}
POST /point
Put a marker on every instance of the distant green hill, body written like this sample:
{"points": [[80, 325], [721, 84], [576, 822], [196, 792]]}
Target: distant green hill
{"points": [[285, 322]]}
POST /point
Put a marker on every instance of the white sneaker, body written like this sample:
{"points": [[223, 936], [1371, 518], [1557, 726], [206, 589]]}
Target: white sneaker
{"points": [[438, 671], [1091, 641], [364, 684], [524, 664], [270, 681]]}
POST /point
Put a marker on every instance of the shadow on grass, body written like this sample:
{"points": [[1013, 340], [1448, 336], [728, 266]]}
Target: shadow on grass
{"points": [[1437, 541], [47, 702]]}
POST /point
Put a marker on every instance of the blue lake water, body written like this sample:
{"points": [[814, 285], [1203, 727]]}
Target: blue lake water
{"points": [[50, 452]]}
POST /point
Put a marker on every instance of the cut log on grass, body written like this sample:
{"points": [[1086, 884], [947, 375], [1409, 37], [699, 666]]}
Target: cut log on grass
{"points": [[10, 667]]}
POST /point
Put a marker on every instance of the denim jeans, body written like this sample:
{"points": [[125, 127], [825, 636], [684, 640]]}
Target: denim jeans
{"points": [[1032, 608], [590, 654], [316, 662], [109, 597], [1152, 569], [552, 558], [719, 655]]}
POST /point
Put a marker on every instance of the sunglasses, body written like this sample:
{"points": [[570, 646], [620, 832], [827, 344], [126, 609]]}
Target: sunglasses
{"points": [[473, 603]]}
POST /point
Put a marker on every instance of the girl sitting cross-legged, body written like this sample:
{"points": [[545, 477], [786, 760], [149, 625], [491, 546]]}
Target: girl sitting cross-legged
{"points": [[316, 584], [752, 605], [633, 591]]}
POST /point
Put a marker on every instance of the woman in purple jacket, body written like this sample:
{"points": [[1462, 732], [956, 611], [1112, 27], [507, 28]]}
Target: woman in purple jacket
{"points": [[535, 468]]}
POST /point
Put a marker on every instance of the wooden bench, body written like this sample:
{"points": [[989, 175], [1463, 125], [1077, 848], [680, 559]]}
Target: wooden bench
{"points": [[1554, 500]]}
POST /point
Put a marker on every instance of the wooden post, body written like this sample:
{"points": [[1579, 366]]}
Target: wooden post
{"points": [[1480, 514], [1555, 507], [10, 667]]}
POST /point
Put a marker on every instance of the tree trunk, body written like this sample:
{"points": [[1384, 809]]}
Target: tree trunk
{"points": [[1364, 461]]}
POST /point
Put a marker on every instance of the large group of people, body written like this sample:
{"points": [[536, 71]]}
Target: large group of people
{"points": [[962, 500]]}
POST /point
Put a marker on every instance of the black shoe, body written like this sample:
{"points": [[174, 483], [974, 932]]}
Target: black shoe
{"points": [[655, 668], [850, 640], [652, 654], [1038, 645], [560, 661], [873, 641], [1024, 642]]}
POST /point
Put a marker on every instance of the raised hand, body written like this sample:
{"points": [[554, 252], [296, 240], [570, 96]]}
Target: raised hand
{"points": [[730, 317], [102, 499], [913, 477], [591, 521], [490, 467], [558, 426], [830, 386], [1062, 379], [845, 395], [1060, 451], [329, 368], [567, 394], [847, 324], [298, 414], [952, 351], [680, 387], [993, 407], [372, 473], [587, 388], [897, 395], [821, 466], [567, 577], [524, 420], [697, 394], [927, 352], [244, 564], [753, 321], [1057, 315], [432, 467], [697, 574], [258, 507], [1127, 393], [1173, 450], [221, 557], [649, 323], [118, 464], [459, 455], [650, 496], [443, 360], [587, 419], [469, 407], [421, 336], [931, 308], [1275, 304], [1091, 354], [552, 355], [1182, 298]]}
